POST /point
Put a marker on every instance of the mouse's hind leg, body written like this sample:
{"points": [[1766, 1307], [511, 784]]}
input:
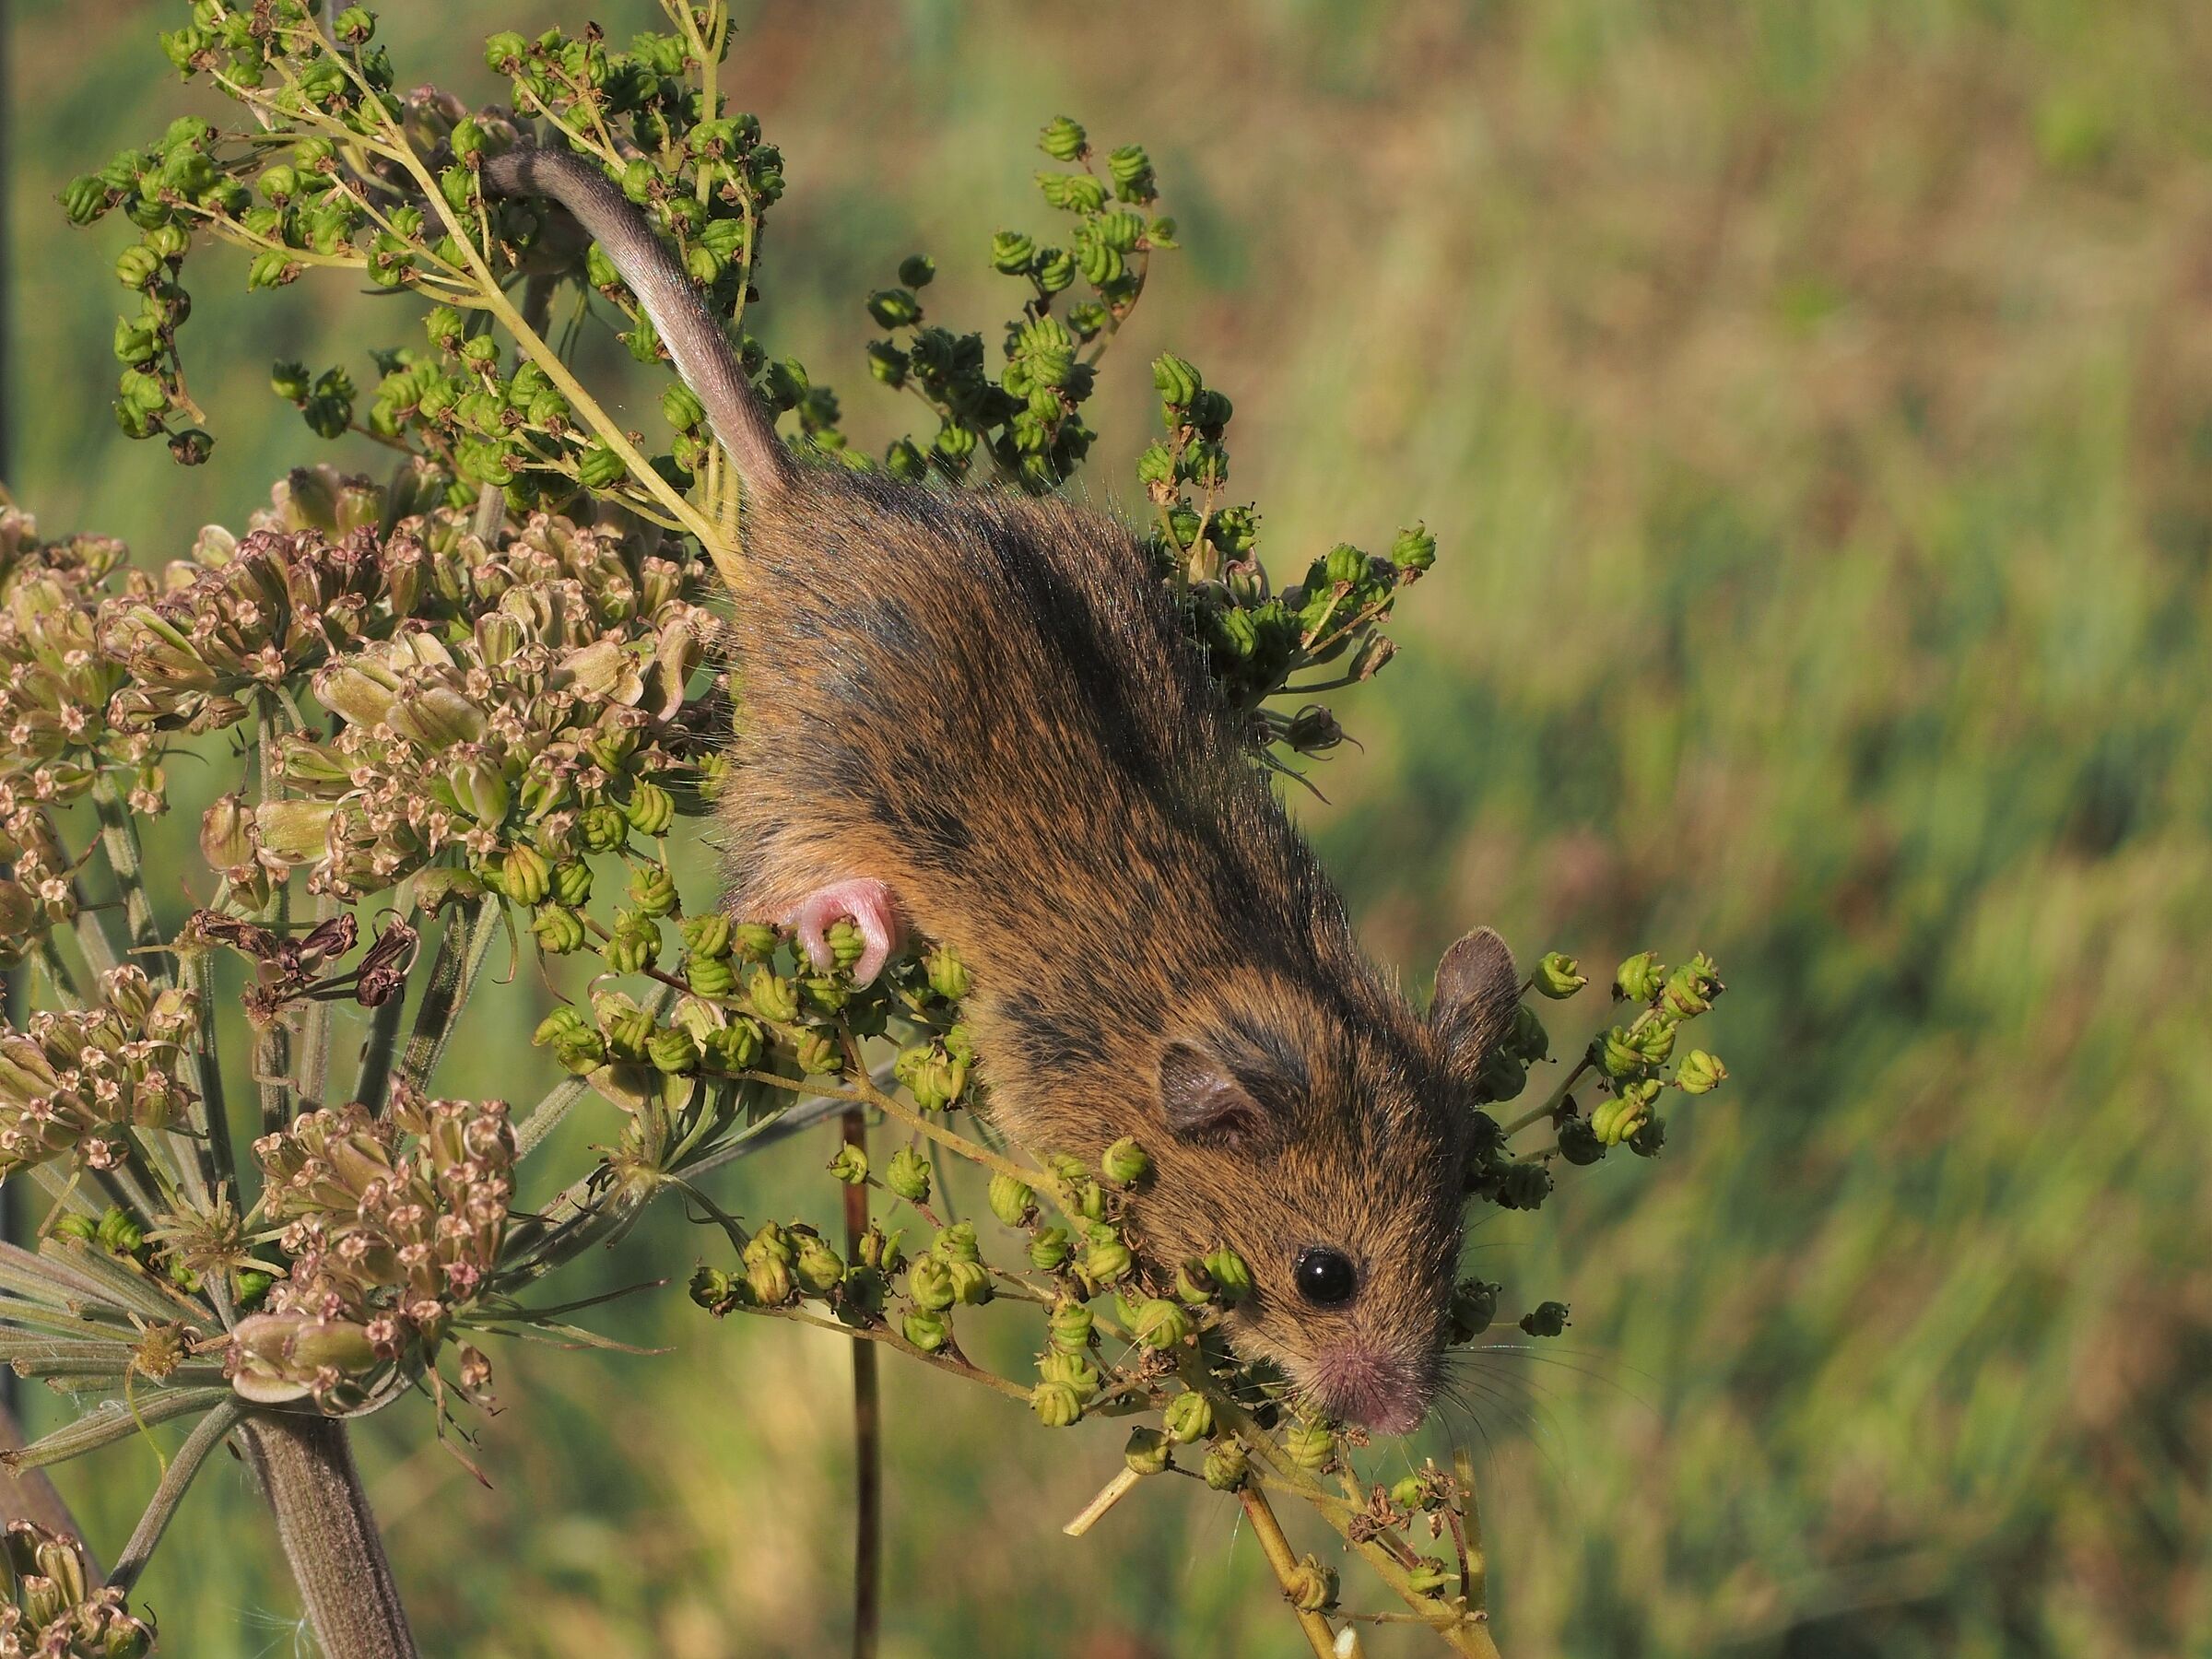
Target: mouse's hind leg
{"points": [[873, 910]]}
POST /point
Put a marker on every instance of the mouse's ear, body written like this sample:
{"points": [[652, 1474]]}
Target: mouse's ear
{"points": [[1478, 988], [1204, 1103]]}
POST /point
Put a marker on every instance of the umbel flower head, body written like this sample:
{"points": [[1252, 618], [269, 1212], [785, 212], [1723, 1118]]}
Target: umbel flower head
{"points": [[53, 1611], [391, 1225], [72, 1081]]}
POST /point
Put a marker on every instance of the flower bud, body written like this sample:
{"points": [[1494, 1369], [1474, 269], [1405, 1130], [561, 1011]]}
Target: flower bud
{"points": [[908, 1175], [1226, 1466], [1146, 1453], [1190, 1417], [1125, 1162]]}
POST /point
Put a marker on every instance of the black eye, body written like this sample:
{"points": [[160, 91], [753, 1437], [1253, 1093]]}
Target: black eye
{"points": [[1325, 1277]]}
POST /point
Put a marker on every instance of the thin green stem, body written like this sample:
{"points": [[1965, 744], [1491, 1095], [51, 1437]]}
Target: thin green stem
{"points": [[462, 954], [119, 841], [208, 1433]]}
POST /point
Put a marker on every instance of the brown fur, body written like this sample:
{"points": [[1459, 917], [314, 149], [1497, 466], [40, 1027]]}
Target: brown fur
{"points": [[985, 701]]}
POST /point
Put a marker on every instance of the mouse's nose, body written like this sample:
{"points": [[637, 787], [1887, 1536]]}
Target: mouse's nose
{"points": [[1379, 1391]]}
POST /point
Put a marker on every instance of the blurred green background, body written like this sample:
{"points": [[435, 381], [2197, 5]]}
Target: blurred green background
{"points": [[1814, 402]]}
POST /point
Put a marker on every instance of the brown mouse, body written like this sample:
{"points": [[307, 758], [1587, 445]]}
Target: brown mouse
{"points": [[974, 714]]}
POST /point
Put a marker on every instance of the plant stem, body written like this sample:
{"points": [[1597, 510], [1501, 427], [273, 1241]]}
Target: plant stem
{"points": [[118, 840], [208, 1433], [867, 1439], [1277, 1548], [306, 1471], [27, 1495], [453, 978]]}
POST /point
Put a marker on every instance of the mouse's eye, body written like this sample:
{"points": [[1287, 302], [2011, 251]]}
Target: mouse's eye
{"points": [[1325, 1277]]}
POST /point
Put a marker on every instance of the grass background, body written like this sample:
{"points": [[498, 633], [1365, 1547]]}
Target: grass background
{"points": [[1814, 406]]}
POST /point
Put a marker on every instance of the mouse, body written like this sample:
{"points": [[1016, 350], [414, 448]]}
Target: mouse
{"points": [[973, 715]]}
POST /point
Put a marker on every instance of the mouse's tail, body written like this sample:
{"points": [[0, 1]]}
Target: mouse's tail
{"points": [[691, 333]]}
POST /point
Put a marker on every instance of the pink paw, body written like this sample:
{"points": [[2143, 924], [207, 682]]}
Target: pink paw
{"points": [[873, 910]]}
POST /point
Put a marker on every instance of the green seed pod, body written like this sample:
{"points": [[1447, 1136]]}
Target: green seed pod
{"points": [[894, 308], [1125, 1164], [652, 889], [680, 405], [86, 199], [1050, 1248], [1579, 1143], [887, 362], [1558, 975], [1161, 1324], [928, 1332], [752, 941], [1175, 380], [851, 1165], [1312, 1446], [957, 1244], [929, 1284], [558, 929], [733, 1047], [572, 881], [1548, 1319], [651, 809], [137, 265], [1147, 1451], [768, 1276], [1528, 1041], [673, 1051], [1699, 1072], [1194, 1283], [818, 1267], [579, 1052], [710, 976], [1057, 1405], [1640, 978], [1075, 1370], [1655, 1043], [1106, 1259], [774, 998], [1414, 551], [1062, 139], [1411, 1493], [1012, 1201], [1011, 252], [971, 1282], [908, 1175], [563, 1018], [817, 1053], [1648, 1137], [1069, 1326], [947, 974], [917, 270], [634, 946], [1190, 1417], [524, 876], [1474, 1306], [1231, 1275], [1616, 1055], [1054, 270], [1226, 1466], [603, 828]]}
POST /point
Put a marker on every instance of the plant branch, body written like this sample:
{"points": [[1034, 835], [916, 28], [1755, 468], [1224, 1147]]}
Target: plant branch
{"points": [[307, 1473], [208, 1433]]}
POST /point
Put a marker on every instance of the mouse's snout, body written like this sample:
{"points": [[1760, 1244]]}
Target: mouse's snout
{"points": [[1381, 1390]]}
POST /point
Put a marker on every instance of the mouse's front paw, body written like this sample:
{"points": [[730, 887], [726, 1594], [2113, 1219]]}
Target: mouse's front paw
{"points": [[873, 910]]}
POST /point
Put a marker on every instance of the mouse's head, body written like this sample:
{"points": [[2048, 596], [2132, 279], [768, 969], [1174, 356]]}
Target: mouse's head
{"points": [[1324, 1139]]}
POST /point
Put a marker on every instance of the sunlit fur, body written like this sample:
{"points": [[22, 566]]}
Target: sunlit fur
{"points": [[987, 702]]}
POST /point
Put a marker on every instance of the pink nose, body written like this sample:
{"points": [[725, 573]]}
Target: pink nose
{"points": [[1378, 1390]]}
